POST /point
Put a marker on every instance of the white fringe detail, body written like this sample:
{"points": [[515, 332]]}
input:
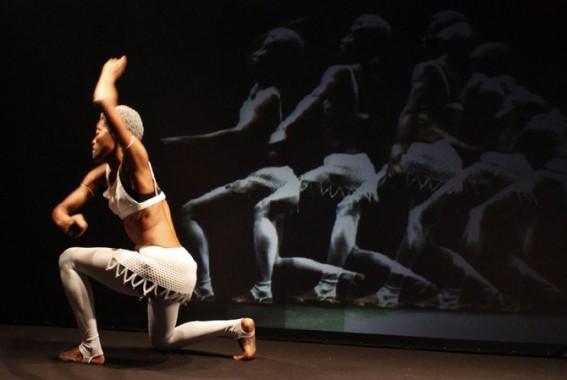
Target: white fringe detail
{"points": [[145, 286]]}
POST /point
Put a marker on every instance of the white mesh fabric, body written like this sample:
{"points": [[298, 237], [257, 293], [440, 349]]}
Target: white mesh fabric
{"points": [[169, 273], [340, 174], [271, 178], [438, 161]]}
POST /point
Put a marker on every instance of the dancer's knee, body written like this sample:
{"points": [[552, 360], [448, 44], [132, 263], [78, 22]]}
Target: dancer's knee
{"points": [[187, 211], [66, 258], [188, 216], [160, 342], [348, 207], [261, 210]]}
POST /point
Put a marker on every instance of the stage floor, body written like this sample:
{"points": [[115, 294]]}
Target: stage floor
{"points": [[29, 352]]}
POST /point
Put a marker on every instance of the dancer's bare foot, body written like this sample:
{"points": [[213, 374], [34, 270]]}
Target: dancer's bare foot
{"points": [[75, 356], [248, 341]]}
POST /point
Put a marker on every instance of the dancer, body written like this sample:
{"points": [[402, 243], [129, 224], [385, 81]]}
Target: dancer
{"points": [[352, 100], [158, 267], [535, 203], [521, 132], [424, 152], [274, 186]]}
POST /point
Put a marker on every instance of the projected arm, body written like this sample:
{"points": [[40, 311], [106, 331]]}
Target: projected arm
{"points": [[258, 115], [312, 102]]}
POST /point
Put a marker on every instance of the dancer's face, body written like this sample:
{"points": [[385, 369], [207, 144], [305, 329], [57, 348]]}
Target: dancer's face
{"points": [[103, 142]]}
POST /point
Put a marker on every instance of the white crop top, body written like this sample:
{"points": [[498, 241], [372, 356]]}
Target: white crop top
{"points": [[121, 203]]}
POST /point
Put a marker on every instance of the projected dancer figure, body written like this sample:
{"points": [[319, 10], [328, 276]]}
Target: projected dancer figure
{"points": [[486, 187], [424, 151], [496, 105], [351, 97], [521, 130], [528, 208], [434, 105], [158, 267], [343, 245], [274, 185]]}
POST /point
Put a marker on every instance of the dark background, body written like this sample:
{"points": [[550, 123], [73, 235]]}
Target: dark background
{"points": [[186, 75]]}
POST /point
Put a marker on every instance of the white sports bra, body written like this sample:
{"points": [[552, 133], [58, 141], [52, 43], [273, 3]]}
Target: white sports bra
{"points": [[121, 203]]}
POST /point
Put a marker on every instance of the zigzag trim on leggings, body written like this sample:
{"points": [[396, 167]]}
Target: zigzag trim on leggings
{"points": [[147, 287]]}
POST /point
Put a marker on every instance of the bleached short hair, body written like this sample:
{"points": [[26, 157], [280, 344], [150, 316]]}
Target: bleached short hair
{"points": [[132, 119]]}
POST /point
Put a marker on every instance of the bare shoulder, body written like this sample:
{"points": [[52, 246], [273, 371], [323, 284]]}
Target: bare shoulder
{"points": [[336, 71], [267, 94], [425, 70], [333, 76], [95, 174], [95, 178]]}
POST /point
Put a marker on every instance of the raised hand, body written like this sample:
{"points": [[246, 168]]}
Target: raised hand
{"points": [[105, 88]]}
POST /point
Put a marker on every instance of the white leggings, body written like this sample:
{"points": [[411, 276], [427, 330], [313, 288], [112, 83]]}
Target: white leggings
{"points": [[77, 264]]}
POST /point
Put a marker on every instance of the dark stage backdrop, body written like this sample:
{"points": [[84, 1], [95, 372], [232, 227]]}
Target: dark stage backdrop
{"points": [[465, 244]]}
